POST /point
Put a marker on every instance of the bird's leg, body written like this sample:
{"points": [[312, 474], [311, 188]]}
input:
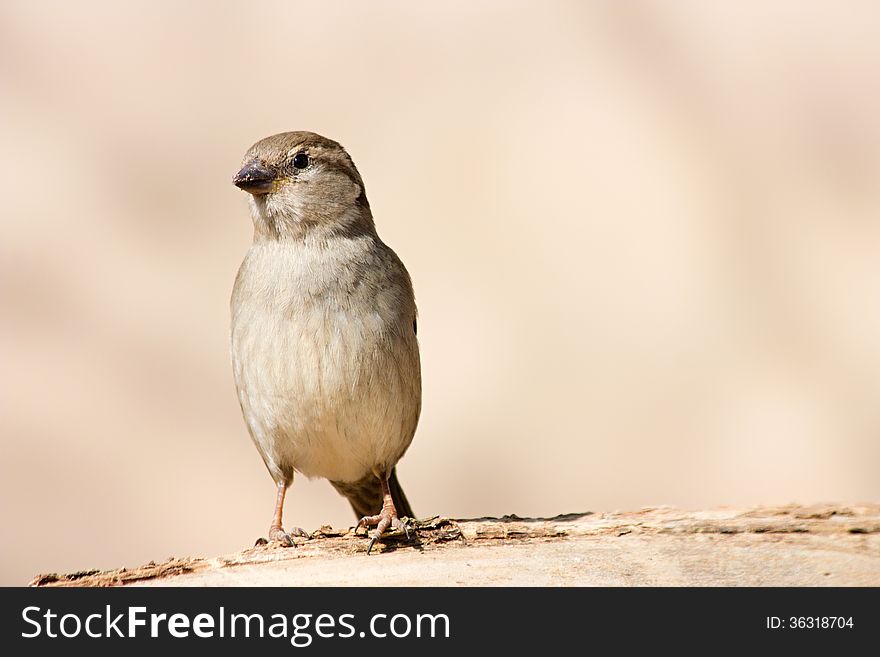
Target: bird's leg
{"points": [[387, 517], [276, 530]]}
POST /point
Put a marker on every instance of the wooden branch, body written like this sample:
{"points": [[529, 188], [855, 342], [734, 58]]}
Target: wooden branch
{"points": [[780, 546]]}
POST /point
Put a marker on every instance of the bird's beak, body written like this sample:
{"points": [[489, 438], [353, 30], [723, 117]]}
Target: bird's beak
{"points": [[255, 178]]}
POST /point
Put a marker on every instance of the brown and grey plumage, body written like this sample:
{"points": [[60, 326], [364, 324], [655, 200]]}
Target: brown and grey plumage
{"points": [[324, 349]]}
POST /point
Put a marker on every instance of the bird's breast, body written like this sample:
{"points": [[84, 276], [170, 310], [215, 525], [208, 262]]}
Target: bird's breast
{"points": [[325, 362]]}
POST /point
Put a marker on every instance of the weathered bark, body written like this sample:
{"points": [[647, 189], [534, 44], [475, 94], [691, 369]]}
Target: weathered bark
{"points": [[778, 546]]}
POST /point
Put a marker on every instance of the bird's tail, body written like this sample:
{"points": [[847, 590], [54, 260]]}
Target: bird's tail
{"points": [[365, 496]]}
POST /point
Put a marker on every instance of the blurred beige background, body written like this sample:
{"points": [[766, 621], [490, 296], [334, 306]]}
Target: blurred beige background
{"points": [[644, 238]]}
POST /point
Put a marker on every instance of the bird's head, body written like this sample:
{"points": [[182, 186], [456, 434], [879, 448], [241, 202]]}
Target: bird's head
{"points": [[301, 183]]}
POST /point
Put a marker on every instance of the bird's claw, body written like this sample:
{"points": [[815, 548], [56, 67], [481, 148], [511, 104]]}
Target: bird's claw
{"points": [[385, 519], [277, 534]]}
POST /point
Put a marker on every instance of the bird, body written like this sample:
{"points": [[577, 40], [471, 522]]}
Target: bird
{"points": [[324, 346]]}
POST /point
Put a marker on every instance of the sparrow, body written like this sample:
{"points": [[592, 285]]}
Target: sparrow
{"points": [[324, 350]]}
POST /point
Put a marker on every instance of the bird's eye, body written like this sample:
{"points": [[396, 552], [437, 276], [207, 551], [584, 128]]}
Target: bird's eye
{"points": [[300, 161]]}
